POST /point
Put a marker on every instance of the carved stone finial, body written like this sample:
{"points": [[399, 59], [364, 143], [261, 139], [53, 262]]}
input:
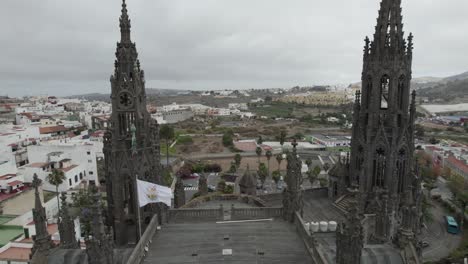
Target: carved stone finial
{"points": [[99, 244], [292, 195], [66, 226], [179, 193], [42, 242]]}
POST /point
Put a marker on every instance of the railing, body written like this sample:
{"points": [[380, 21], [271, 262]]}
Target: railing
{"points": [[255, 213], [194, 214], [315, 250], [140, 249]]}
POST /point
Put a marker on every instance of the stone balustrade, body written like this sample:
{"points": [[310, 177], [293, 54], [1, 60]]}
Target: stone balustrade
{"points": [[255, 213]]}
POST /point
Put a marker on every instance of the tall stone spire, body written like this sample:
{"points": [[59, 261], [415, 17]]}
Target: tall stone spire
{"points": [[124, 25], [389, 35], [382, 145], [66, 226], [292, 195], [42, 243], [131, 143]]}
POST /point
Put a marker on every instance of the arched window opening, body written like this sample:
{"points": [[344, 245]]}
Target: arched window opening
{"points": [[401, 92], [379, 167], [384, 91]]}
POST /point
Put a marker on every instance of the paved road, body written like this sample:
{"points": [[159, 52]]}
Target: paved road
{"points": [[441, 243]]}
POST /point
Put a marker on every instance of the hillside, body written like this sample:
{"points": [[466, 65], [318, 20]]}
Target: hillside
{"points": [[452, 90]]}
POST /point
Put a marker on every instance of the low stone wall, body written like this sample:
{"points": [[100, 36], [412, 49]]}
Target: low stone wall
{"points": [[225, 197], [255, 213], [315, 250], [139, 251], [189, 214]]}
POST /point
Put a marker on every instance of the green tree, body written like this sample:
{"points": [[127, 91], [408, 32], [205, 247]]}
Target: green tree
{"points": [[56, 178], [167, 177], [167, 133], [276, 175], [233, 167], [262, 172], [260, 140], [268, 155], [237, 160], [282, 138], [227, 139], [259, 151], [308, 162], [434, 141], [458, 187], [279, 159], [313, 174], [323, 182], [221, 186], [419, 131]]}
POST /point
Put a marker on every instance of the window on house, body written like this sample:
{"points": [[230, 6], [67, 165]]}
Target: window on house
{"points": [[76, 178], [89, 161], [91, 173], [89, 152], [69, 182]]}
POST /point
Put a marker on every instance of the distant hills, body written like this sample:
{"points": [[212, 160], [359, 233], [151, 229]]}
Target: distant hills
{"points": [[452, 89], [449, 89], [149, 91]]}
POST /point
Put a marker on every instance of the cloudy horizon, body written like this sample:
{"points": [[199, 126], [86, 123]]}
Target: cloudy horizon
{"points": [[64, 47]]}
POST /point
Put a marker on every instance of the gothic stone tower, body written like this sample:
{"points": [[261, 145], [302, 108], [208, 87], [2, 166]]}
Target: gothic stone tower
{"points": [[127, 160], [382, 147]]}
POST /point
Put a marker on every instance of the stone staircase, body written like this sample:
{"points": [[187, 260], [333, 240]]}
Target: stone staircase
{"points": [[344, 203]]}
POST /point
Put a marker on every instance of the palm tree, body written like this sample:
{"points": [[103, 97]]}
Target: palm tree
{"points": [[268, 155], [282, 138], [56, 178], [237, 160], [167, 132], [279, 158], [259, 151]]}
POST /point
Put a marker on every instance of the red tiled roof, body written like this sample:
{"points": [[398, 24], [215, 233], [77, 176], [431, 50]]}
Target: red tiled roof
{"points": [[28, 115], [38, 165], [52, 129], [16, 254], [69, 168], [433, 148], [3, 177], [458, 163], [14, 183], [245, 146]]}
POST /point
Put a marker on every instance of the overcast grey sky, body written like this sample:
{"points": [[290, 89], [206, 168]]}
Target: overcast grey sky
{"points": [[65, 47]]}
